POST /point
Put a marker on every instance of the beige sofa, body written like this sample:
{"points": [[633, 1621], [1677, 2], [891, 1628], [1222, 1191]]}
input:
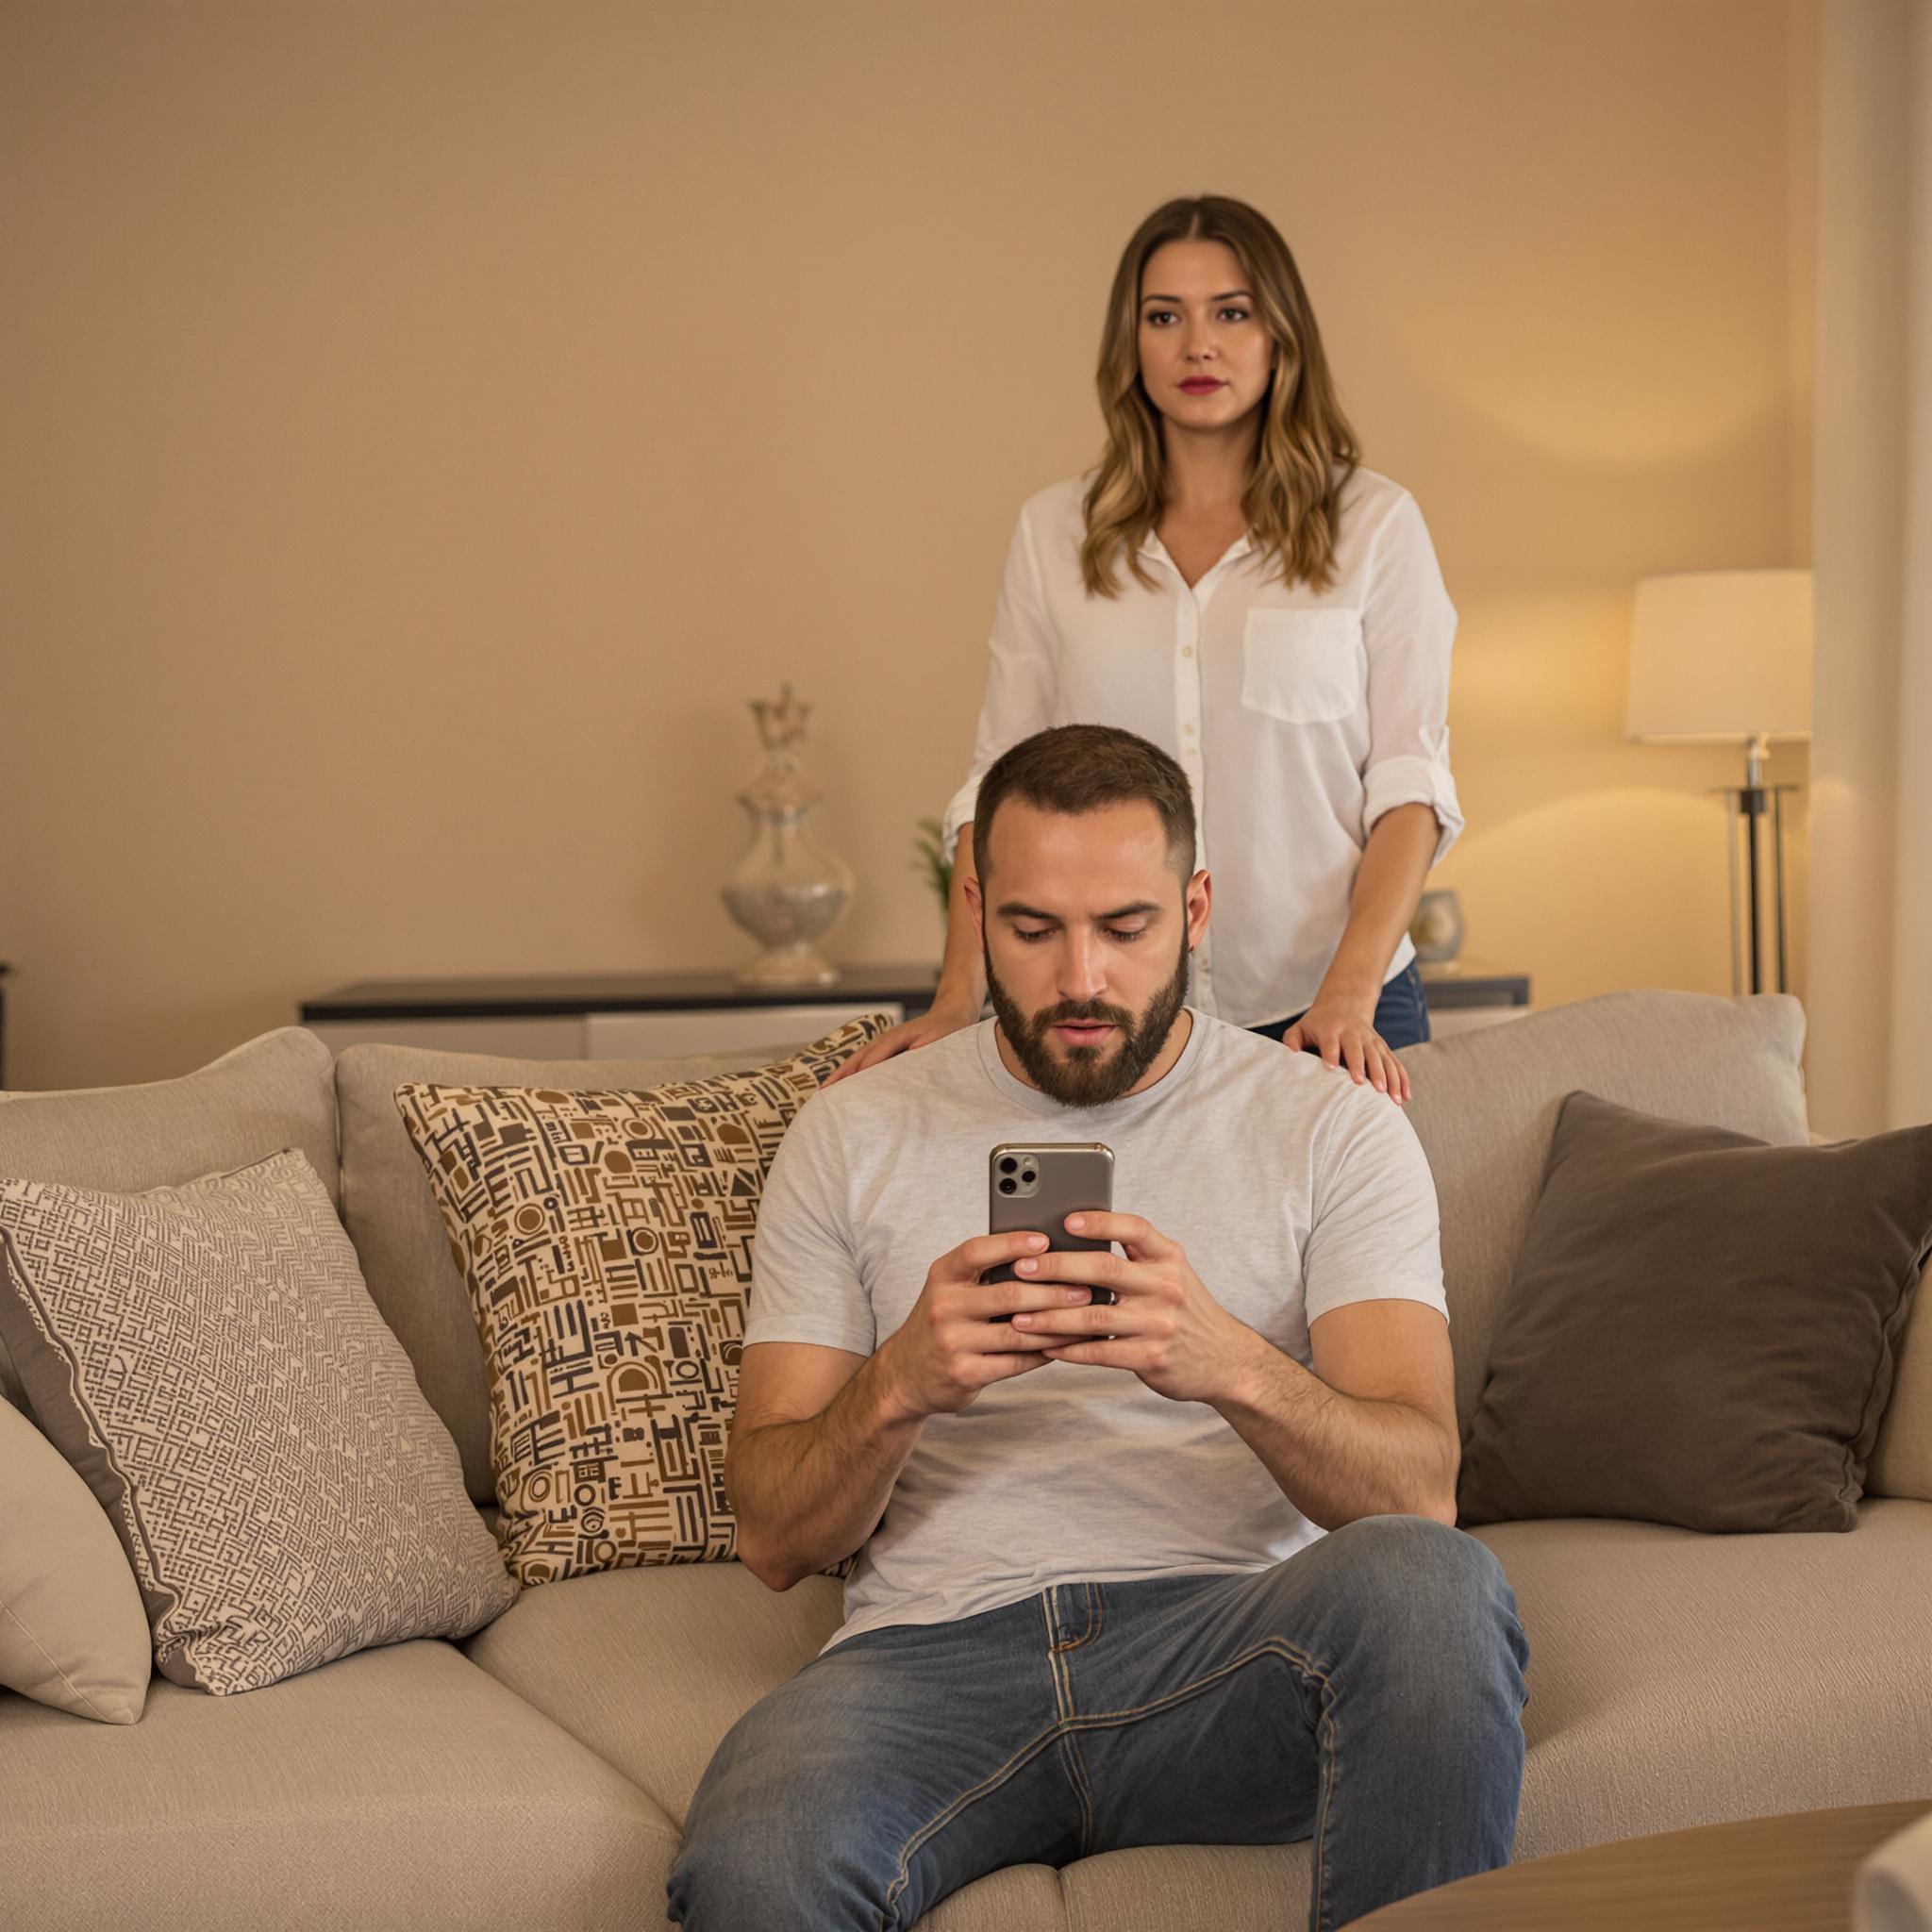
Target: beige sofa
{"points": [[537, 1774]]}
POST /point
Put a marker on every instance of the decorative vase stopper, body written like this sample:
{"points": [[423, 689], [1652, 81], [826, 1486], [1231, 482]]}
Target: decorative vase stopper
{"points": [[788, 889]]}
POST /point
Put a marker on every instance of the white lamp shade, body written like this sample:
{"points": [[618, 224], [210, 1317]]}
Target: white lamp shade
{"points": [[1722, 654]]}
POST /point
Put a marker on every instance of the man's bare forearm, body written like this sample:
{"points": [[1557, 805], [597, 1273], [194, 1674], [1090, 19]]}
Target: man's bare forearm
{"points": [[1335, 1457], [807, 1493]]}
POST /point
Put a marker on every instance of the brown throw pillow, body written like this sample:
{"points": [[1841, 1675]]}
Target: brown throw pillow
{"points": [[606, 1238], [208, 1358], [1702, 1328]]}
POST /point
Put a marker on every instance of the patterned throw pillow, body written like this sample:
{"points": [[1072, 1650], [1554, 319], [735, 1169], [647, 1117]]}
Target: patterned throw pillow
{"points": [[208, 1359], [606, 1238]]}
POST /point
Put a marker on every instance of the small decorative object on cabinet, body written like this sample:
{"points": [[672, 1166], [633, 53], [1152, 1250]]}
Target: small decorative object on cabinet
{"points": [[1436, 927], [788, 889]]}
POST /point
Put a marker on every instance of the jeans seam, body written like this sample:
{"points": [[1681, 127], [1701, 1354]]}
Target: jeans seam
{"points": [[1296, 1660], [1069, 1723], [1063, 1704], [990, 1783]]}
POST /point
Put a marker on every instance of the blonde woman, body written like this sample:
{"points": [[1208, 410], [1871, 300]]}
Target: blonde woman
{"points": [[1231, 584]]}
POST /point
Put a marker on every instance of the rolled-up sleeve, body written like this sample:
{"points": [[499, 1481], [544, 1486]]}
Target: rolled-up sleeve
{"points": [[1408, 628], [1019, 675]]}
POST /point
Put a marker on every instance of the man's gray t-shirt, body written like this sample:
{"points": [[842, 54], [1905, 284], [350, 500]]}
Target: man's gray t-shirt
{"points": [[1292, 1191]]}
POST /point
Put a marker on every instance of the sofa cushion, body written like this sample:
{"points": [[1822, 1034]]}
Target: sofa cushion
{"points": [[275, 1092], [1485, 1107], [1680, 1679], [400, 1787], [1674, 1679], [208, 1358], [606, 1240], [1162, 1888], [650, 1668], [73, 1633], [389, 1210], [1700, 1329]]}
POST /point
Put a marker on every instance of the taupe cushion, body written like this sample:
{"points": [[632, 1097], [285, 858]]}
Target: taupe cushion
{"points": [[278, 1090], [389, 1211], [651, 1667], [398, 1788], [1680, 1679], [1165, 1888], [73, 1633], [1700, 1329], [1020, 1898], [1485, 1107], [606, 1238], [208, 1358]]}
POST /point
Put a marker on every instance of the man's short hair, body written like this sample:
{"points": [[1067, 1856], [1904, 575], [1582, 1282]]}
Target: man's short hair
{"points": [[1080, 768]]}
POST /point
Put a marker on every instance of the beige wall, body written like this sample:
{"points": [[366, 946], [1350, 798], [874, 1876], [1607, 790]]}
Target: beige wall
{"points": [[427, 424]]}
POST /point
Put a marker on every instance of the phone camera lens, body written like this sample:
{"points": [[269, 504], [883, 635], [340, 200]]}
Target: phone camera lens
{"points": [[1008, 1184], [1009, 1164]]}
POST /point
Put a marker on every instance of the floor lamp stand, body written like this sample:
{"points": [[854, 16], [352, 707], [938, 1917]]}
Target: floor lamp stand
{"points": [[1755, 828]]}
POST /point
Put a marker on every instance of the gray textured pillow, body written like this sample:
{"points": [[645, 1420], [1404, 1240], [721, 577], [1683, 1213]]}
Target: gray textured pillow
{"points": [[208, 1359], [72, 1631], [1703, 1329]]}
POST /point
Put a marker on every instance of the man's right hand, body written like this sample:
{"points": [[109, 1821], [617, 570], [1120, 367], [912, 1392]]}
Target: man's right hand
{"points": [[960, 1337]]}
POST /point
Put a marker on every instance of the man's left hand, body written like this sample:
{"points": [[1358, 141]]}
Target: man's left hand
{"points": [[1165, 1327]]}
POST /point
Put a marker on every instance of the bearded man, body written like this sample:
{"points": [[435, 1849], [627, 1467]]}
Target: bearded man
{"points": [[1177, 1568]]}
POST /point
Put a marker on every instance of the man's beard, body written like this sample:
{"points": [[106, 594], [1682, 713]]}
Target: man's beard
{"points": [[1090, 1075]]}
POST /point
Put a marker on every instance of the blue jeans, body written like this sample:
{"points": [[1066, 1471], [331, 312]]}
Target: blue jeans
{"points": [[1402, 1012], [1367, 1694]]}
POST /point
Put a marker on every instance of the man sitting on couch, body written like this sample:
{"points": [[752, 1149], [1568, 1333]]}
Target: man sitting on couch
{"points": [[1095, 1605]]}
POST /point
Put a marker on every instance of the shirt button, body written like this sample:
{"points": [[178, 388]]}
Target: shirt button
{"points": [[1187, 650], [1190, 730]]}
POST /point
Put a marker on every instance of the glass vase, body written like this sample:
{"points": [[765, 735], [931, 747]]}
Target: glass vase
{"points": [[787, 890]]}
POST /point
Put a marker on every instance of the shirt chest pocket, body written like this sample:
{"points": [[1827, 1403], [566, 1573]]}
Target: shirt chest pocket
{"points": [[1305, 667]]}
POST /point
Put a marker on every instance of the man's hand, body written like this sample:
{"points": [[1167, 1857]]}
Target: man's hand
{"points": [[1165, 1327], [959, 1337], [1345, 1036]]}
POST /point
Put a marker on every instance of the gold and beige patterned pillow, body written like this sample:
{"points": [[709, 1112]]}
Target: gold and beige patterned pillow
{"points": [[606, 1238], [208, 1358]]}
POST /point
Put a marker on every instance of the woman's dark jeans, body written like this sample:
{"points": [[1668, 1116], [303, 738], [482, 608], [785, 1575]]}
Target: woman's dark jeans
{"points": [[1402, 1014]]}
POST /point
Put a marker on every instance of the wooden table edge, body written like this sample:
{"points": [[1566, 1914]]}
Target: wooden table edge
{"points": [[1788, 1873]]}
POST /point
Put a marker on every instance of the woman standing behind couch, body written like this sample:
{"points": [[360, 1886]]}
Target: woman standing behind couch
{"points": [[1230, 584]]}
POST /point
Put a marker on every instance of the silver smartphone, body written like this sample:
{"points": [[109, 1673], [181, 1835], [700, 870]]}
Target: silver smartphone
{"points": [[1036, 1184]]}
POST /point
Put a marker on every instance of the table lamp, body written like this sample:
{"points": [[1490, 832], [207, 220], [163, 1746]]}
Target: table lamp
{"points": [[1724, 656]]}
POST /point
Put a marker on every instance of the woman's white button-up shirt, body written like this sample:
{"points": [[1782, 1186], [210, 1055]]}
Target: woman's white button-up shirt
{"points": [[1299, 716]]}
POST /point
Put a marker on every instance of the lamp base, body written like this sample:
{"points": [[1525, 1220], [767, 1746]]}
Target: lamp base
{"points": [[1760, 947]]}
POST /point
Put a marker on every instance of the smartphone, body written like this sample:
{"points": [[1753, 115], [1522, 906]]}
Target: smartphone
{"points": [[1036, 1184]]}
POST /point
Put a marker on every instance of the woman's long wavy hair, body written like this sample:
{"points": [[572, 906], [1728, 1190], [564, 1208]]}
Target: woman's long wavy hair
{"points": [[1304, 450]]}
